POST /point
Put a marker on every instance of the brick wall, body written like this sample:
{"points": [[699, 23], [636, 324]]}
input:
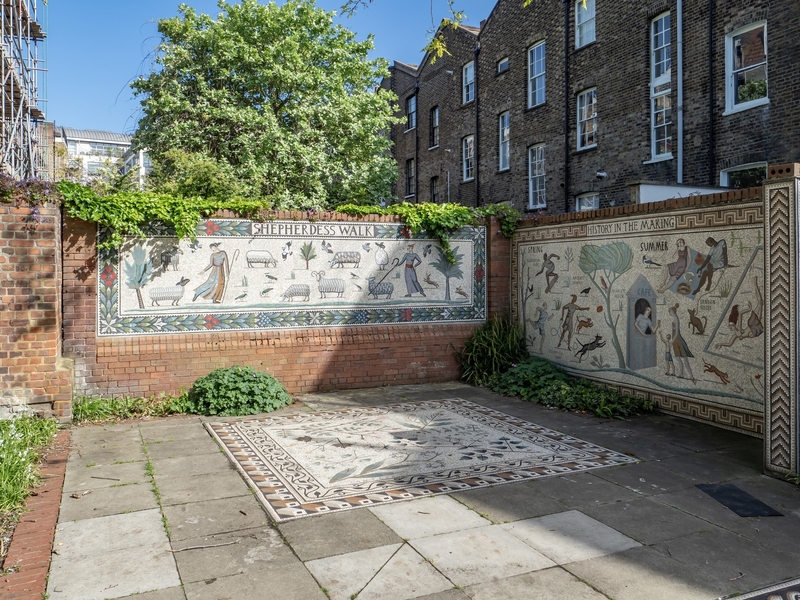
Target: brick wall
{"points": [[303, 360], [32, 377]]}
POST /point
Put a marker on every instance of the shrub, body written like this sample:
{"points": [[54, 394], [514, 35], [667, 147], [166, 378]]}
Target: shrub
{"points": [[235, 391], [492, 349], [537, 380]]}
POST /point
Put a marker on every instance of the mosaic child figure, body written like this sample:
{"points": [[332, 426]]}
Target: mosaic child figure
{"points": [[667, 353], [548, 268]]}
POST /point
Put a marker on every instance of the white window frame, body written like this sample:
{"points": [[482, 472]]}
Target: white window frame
{"points": [[468, 82], [536, 178], [504, 134], [537, 68], [585, 32], [434, 127], [411, 112], [660, 89], [724, 175], [411, 178], [582, 121], [468, 158], [730, 72], [502, 65], [582, 201]]}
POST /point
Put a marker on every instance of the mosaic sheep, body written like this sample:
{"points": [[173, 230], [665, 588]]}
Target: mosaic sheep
{"points": [[260, 257], [340, 259], [379, 289], [296, 290], [328, 286], [171, 293]]}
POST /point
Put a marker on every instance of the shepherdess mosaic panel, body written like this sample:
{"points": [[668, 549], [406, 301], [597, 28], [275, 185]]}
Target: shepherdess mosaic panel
{"points": [[288, 274], [671, 304], [312, 463]]}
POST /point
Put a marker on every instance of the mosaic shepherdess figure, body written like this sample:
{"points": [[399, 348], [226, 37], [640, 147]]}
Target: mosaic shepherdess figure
{"points": [[214, 286], [411, 261]]}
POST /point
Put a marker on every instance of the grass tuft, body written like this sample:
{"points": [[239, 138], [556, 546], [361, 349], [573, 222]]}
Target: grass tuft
{"points": [[88, 409], [22, 441]]}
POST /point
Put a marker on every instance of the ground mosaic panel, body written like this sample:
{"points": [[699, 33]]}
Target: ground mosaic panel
{"points": [[288, 274], [307, 464]]}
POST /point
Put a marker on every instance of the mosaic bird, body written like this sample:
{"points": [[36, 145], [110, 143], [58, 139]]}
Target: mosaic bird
{"points": [[426, 250], [366, 247], [353, 275], [286, 251], [271, 277], [241, 296], [326, 247], [585, 291], [195, 245], [603, 283], [355, 284], [649, 263], [266, 291]]}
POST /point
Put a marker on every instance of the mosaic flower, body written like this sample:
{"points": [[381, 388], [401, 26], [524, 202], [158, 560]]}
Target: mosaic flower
{"points": [[211, 321], [108, 276], [405, 314], [263, 320], [405, 232], [361, 317], [211, 227], [479, 273]]}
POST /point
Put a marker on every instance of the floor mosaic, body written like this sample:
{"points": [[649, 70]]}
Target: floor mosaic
{"points": [[312, 463]]}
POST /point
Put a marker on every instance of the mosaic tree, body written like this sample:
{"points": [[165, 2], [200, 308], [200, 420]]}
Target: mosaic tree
{"points": [[307, 253], [448, 269], [606, 264], [138, 272]]}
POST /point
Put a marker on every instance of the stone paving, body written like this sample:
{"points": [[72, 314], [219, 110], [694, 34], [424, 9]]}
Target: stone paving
{"points": [[168, 518]]}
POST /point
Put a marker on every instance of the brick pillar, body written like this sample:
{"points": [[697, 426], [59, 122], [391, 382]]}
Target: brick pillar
{"points": [[781, 318], [498, 265]]}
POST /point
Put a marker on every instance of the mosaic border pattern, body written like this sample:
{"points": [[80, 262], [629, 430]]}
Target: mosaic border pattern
{"points": [[273, 484], [111, 321]]}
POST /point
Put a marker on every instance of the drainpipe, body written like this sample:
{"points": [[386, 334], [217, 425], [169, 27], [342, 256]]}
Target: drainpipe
{"points": [[680, 89], [712, 180], [416, 143], [566, 105], [477, 130]]}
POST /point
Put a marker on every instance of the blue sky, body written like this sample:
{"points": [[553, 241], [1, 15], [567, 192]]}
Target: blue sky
{"points": [[96, 47]]}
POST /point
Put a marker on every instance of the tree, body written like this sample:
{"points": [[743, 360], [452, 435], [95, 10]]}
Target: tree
{"points": [[611, 260], [283, 100], [138, 272], [307, 253], [448, 269]]}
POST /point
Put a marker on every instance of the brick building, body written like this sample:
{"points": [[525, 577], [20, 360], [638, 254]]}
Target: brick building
{"points": [[625, 118]]}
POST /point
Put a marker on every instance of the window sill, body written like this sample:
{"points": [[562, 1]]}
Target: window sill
{"points": [[503, 171], [746, 106], [586, 45], [433, 147], [467, 103], [407, 130], [470, 180], [409, 196], [535, 106], [536, 208], [658, 159], [585, 148]]}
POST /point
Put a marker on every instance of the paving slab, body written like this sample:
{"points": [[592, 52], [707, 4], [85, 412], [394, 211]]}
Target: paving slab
{"points": [[646, 478], [96, 550], [741, 564], [345, 575], [186, 431], [428, 516], [582, 490], [103, 501], [453, 594], [207, 486], [173, 593], [648, 521], [82, 478], [98, 436], [511, 502], [83, 457], [479, 555], [176, 449], [290, 583], [337, 533], [569, 536], [210, 517], [547, 584], [642, 573], [231, 553], [710, 467], [184, 466], [407, 575]]}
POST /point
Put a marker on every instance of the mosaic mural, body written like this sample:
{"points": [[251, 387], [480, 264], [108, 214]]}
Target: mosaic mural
{"points": [[670, 304], [288, 274], [312, 463]]}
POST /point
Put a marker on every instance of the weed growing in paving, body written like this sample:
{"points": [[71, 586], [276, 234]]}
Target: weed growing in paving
{"points": [[97, 410], [537, 380], [21, 442]]}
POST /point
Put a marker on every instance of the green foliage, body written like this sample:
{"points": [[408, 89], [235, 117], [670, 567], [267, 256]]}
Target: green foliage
{"points": [[792, 478], [537, 380], [235, 391], [438, 220], [194, 174], [99, 410], [752, 90], [22, 441], [493, 348], [273, 95]]}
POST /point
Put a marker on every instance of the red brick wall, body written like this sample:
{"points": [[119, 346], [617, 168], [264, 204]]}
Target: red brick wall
{"points": [[303, 360], [31, 374]]}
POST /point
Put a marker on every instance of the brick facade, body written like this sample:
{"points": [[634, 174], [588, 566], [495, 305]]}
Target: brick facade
{"points": [[32, 376], [618, 65], [307, 360]]}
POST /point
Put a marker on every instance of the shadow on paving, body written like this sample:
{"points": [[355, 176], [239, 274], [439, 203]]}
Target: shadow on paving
{"points": [[632, 531]]}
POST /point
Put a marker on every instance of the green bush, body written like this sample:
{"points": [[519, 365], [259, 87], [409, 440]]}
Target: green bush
{"points": [[21, 442], [537, 380], [234, 391], [492, 349]]}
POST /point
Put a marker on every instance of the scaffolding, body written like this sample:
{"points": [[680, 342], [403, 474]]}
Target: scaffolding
{"points": [[22, 153]]}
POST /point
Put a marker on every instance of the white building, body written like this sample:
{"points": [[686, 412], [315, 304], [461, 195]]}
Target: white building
{"points": [[95, 151]]}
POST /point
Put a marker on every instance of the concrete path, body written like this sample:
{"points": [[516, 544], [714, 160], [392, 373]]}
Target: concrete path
{"points": [[154, 508]]}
